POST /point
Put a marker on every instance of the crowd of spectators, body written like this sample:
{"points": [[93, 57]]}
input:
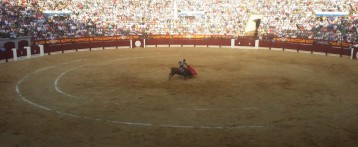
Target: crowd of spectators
{"points": [[49, 19]]}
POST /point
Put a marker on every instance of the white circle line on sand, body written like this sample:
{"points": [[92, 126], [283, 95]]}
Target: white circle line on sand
{"points": [[62, 74], [18, 91], [44, 69], [188, 109], [58, 78], [213, 109], [24, 98]]}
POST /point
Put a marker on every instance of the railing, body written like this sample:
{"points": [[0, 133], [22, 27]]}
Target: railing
{"points": [[309, 47], [62, 45]]}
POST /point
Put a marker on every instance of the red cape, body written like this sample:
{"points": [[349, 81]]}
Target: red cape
{"points": [[192, 70]]}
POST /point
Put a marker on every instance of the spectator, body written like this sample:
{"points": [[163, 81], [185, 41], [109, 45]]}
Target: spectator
{"points": [[2, 49], [76, 18]]}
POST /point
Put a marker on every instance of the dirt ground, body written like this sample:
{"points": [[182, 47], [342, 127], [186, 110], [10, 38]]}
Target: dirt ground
{"points": [[124, 98]]}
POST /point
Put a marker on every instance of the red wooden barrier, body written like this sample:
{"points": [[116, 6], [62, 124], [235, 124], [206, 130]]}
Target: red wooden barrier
{"points": [[22, 44], [21, 52], [245, 41], [347, 51], [225, 42], [306, 47], [115, 41], [265, 43], [35, 49], [2, 55], [9, 45]]}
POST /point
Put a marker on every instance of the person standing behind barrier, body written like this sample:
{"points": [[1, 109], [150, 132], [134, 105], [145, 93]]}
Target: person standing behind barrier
{"points": [[2, 49], [12, 34]]}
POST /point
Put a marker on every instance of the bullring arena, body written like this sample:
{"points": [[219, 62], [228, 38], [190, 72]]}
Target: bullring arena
{"points": [[95, 73], [122, 97]]}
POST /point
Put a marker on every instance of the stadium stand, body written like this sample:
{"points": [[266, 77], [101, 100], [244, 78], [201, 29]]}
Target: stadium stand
{"points": [[48, 19], [89, 23]]}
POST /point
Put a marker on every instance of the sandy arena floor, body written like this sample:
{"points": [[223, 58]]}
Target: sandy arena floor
{"points": [[124, 98]]}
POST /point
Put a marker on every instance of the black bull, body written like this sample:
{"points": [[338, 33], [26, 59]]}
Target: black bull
{"points": [[174, 70]]}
